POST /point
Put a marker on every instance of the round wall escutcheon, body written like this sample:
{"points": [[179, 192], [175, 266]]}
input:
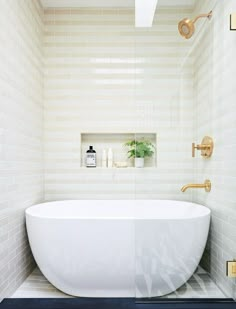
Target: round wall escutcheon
{"points": [[207, 151]]}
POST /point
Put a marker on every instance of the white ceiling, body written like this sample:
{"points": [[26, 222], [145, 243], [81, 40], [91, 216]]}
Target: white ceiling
{"points": [[109, 3]]}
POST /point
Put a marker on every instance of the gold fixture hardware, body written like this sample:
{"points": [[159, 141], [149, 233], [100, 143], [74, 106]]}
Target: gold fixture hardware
{"points": [[186, 26], [206, 185], [206, 147], [233, 21], [231, 268]]}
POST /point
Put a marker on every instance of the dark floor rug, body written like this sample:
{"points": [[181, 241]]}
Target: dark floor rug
{"points": [[107, 303]]}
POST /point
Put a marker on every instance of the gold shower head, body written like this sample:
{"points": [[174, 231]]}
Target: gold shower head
{"points": [[186, 26]]}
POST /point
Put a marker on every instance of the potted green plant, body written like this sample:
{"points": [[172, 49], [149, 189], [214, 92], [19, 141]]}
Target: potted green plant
{"points": [[140, 150]]}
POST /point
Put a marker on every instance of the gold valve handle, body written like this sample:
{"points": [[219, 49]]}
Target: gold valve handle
{"points": [[199, 147], [206, 147]]}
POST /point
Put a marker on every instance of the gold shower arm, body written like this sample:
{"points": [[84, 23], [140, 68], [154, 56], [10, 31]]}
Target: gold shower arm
{"points": [[209, 15]]}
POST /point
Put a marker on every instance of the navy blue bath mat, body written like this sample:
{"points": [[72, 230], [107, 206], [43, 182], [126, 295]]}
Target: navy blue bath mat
{"points": [[109, 303]]}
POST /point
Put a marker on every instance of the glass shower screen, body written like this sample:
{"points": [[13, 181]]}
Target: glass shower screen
{"points": [[179, 253]]}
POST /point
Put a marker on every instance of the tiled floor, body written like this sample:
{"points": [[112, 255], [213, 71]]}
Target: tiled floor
{"points": [[37, 286], [199, 286]]}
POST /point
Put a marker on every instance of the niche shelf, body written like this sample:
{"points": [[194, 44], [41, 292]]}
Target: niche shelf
{"points": [[116, 141]]}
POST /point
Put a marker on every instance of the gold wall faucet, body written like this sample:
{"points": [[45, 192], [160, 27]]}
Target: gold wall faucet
{"points": [[206, 185]]}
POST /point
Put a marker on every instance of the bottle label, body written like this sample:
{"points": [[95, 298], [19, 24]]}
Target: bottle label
{"points": [[91, 159]]}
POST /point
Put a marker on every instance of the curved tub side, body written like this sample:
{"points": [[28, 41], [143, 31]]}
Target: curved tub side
{"points": [[168, 253], [89, 258]]}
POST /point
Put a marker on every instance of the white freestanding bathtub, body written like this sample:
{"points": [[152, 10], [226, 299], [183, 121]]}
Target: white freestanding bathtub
{"points": [[98, 248]]}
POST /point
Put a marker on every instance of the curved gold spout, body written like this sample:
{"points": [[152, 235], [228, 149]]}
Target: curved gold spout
{"points": [[206, 185]]}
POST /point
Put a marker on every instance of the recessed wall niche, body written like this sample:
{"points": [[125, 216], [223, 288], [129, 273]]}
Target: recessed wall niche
{"points": [[115, 141]]}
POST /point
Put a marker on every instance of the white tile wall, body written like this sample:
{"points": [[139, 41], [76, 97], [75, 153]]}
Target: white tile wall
{"points": [[21, 172], [102, 74], [215, 115]]}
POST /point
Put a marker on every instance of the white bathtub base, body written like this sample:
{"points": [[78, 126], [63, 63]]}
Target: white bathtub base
{"points": [[99, 249]]}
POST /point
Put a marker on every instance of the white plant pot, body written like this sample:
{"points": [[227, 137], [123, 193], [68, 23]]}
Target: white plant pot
{"points": [[139, 162]]}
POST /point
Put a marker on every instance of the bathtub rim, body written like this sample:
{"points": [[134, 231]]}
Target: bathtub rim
{"points": [[32, 211]]}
